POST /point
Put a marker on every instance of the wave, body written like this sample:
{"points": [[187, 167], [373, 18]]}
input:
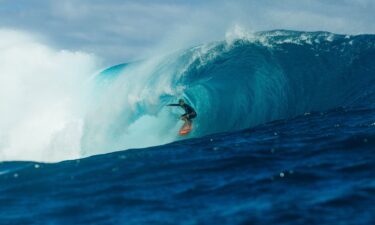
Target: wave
{"points": [[233, 84]]}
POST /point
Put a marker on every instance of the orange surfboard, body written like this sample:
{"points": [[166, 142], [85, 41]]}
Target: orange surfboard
{"points": [[185, 129]]}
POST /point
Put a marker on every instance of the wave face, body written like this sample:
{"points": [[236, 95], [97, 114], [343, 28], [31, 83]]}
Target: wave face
{"points": [[233, 84]]}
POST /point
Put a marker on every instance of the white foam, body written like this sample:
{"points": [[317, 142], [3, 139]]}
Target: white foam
{"points": [[129, 112], [41, 95]]}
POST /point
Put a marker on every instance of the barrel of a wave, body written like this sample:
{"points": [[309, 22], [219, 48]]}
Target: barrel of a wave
{"points": [[185, 129]]}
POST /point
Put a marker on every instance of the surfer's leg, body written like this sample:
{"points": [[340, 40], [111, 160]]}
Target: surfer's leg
{"points": [[188, 120], [190, 117], [184, 117]]}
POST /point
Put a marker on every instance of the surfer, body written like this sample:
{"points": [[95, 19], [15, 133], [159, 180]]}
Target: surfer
{"points": [[189, 111]]}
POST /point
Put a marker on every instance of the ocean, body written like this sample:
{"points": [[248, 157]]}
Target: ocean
{"points": [[285, 134]]}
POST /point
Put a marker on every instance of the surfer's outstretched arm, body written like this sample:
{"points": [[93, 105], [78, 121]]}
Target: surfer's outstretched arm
{"points": [[173, 105]]}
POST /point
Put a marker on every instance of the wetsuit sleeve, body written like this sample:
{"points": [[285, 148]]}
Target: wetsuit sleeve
{"points": [[173, 105]]}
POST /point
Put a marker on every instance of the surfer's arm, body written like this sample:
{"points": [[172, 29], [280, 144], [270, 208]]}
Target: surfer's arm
{"points": [[173, 105]]}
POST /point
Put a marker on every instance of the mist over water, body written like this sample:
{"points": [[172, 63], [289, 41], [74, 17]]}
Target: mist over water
{"points": [[55, 106], [128, 110], [42, 98]]}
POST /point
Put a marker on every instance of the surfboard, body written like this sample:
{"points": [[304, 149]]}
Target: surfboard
{"points": [[185, 129]]}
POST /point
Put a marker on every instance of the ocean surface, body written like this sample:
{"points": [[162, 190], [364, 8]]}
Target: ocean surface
{"points": [[285, 134]]}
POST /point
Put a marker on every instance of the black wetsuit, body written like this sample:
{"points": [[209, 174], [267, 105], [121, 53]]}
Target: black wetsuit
{"points": [[189, 111]]}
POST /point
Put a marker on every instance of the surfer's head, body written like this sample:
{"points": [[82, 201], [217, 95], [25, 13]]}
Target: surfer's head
{"points": [[181, 102]]}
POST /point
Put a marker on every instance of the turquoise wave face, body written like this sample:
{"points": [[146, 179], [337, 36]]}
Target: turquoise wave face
{"points": [[232, 84]]}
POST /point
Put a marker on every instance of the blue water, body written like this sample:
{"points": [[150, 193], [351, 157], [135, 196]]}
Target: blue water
{"points": [[285, 134]]}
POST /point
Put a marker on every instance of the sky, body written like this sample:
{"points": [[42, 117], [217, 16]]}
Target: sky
{"points": [[125, 30]]}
